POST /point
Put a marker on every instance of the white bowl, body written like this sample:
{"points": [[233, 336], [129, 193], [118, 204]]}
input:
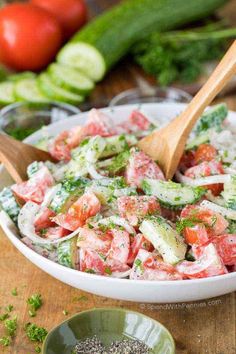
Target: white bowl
{"points": [[123, 289]]}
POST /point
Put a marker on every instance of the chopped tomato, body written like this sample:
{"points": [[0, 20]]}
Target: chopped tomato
{"points": [[141, 166], [205, 152], [205, 169], [139, 120], [43, 219], [226, 247], [92, 262], [196, 235], [149, 267], [135, 208], [138, 242], [207, 265], [94, 239], [59, 148], [53, 233], [86, 206], [187, 160], [170, 214], [120, 246], [99, 124], [214, 222], [35, 188]]}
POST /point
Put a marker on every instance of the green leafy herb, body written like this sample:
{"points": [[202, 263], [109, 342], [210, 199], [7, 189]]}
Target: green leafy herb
{"points": [[9, 308], [37, 349], [35, 333], [14, 292], [65, 312], [189, 222], [4, 316], [5, 341], [11, 326], [35, 302], [32, 313], [180, 55]]}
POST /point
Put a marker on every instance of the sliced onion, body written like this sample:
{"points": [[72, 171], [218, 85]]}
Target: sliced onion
{"points": [[26, 225], [93, 172], [228, 213], [121, 274], [203, 181], [50, 194], [217, 200], [118, 221]]}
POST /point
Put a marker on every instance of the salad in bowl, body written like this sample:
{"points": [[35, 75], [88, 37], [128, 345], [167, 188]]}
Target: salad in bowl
{"points": [[105, 208]]}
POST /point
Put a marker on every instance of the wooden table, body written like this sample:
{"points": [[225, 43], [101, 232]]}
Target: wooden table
{"points": [[207, 326]]}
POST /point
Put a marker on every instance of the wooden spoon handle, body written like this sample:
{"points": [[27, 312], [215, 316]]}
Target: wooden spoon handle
{"points": [[218, 79]]}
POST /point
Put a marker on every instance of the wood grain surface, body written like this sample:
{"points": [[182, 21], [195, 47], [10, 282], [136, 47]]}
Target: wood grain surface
{"points": [[207, 326]]}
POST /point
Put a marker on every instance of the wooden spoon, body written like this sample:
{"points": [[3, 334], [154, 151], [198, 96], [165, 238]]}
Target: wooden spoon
{"points": [[16, 156], [166, 145]]}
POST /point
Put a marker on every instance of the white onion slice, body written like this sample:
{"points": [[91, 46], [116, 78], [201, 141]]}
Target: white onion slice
{"points": [[121, 274], [93, 172], [51, 192], [26, 225], [228, 213], [118, 221], [203, 181]]}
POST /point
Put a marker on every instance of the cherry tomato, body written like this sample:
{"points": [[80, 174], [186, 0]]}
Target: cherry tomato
{"points": [[205, 152], [134, 208], [86, 206], [71, 14], [141, 166], [29, 36]]}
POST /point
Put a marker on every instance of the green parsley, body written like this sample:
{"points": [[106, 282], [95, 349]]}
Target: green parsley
{"points": [[35, 302], [4, 316], [14, 292], [108, 270], [32, 313], [37, 349], [35, 333], [65, 312], [5, 341], [11, 326], [9, 308]]}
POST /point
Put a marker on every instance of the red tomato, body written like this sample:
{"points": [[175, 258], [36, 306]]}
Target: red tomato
{"points": [[137, 119], [53, 233], [134, 208], [94, 239], [214, 222], [226, 247], [86, 206], [99, 124], [29, 36], [187, 160], [35, 188], [209, 264], [120, 246], [138, 242], [205, 169], [205, 152], [59, 148], [92, 262], [43, 219], [141, 166], [148, 267], [196, 235], [71, 14]]}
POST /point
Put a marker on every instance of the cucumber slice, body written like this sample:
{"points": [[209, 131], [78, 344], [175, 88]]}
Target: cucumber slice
{"points": [[212, 118], [164, 238], [28, 90], [70, 79], [56, 93], [67, 253], [85, 58], [172, 195], [9, 204], [198, 140], [7, 95], [21, 76]]}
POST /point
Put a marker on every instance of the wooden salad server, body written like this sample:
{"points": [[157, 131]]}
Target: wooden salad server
{"points": [[16, 156], [166, 145]]}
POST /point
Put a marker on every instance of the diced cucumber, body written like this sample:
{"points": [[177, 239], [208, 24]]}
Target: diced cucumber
{"points": [[33, 168], [70, 79], [28, 90], [9, 204], [69, 192], [22, 76], [229, 193], [67, 253], [114, 145], [212, 118], [116, 164], [7, 95], [85, 58], [56, 93], [164, 238], [172, 195], [198, 140]]}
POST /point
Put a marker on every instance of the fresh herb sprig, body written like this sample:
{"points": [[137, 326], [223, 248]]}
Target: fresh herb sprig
{"points": [[35, 302], [181, 55]]}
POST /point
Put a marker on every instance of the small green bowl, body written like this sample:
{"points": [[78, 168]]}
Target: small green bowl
{"points": [[109, 324]]}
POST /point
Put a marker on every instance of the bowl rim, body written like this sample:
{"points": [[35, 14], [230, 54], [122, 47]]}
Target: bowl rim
{"points": [[114, 309], [74, 272]]}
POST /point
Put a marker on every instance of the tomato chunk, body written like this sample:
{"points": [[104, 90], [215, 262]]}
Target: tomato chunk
{"points": [[59, 148], [214, 222], [120, 246], [187, 160], [205, 152], [226, 247], [43, 219], [141, 166], [150, 267], [138, 242], [135, 208], [35, 188], [86, 206], [209, 264], [196, 235], [53, 233], [91, 262], [138, 119], [99, 124], [94, 239]]}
